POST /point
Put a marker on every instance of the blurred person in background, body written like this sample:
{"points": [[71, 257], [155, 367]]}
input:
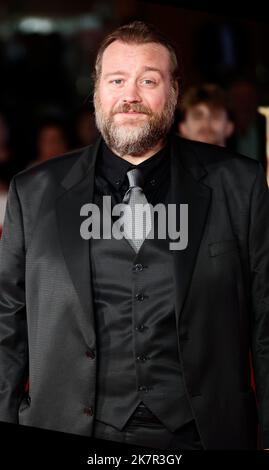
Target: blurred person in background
{"points": [[8, 164], [205, 115], [5, 151], [52, 140], [86, 130], [249, 136]]}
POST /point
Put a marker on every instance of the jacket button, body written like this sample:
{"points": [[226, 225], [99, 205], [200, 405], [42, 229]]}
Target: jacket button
{"points": [[28, 400], [88, 411], [90, 353], [139, 297], [140, 327]]}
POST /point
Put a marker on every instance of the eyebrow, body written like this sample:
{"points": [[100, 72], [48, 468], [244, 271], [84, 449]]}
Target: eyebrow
{"points": [[145, 69]]}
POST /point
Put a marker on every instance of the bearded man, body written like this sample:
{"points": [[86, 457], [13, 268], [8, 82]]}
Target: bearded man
{"points": [[129, 338]]}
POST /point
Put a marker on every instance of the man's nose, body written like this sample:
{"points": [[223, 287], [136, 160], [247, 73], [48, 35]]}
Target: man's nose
{"points": [[131, 93]]}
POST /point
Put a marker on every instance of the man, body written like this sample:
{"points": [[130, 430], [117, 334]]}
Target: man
{"points": [[206, 115], [143, 345]]}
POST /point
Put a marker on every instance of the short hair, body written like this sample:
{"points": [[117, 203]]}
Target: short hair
{"points": [[210, 94], [136, 32]]}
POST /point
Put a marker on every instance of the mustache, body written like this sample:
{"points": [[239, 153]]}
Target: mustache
{"points": [[136, 107]]}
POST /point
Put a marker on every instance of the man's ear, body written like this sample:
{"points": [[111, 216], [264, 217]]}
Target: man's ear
{"points": [[182, 129], [229, 129]]}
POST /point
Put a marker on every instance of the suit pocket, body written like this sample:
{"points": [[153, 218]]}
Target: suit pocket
{"points": [[220, 248]]}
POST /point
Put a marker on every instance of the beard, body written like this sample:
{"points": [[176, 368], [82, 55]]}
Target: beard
{"points": [[135, 138]]}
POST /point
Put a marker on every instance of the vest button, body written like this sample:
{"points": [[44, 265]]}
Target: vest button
{"points": [[138, 267], [142, 358], [139, 297], [143, 388], [140, 327], [88, 411], [90, 353]]}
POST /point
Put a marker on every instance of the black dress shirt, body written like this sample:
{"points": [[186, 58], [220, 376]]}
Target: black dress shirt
{"points": [[111, 175]]}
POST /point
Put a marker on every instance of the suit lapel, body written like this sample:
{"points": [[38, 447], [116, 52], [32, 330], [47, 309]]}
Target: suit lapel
{"points": [[187, 188], [78, 190]]}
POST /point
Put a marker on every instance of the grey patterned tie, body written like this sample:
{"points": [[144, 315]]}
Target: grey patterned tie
{"points": [[137, 215]]}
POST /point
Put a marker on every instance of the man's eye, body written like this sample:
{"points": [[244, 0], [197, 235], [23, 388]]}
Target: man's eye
{"points": [[117, 81], [147, 81]]}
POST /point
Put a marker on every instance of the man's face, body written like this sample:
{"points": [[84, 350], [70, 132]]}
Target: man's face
{"points": [[134, 98], [206, 124]]}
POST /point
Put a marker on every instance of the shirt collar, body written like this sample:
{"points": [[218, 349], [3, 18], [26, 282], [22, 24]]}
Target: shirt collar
{"points": [[114, 168]]}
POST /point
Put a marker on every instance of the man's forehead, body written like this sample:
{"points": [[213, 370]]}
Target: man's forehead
{"points": [[150, 55]]}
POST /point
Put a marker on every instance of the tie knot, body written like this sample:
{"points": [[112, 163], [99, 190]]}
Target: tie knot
{"points": [[135, 178]]}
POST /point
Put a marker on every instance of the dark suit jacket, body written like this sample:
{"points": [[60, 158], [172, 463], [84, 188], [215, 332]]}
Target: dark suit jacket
{"points": [[47, 330]]}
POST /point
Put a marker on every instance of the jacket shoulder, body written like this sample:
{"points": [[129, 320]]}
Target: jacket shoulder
{"points": [[214, 156], [52, 170], [221, 164]]}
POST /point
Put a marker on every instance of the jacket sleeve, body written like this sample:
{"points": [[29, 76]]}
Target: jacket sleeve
{"points": [[13, 326], [259, 265]]}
